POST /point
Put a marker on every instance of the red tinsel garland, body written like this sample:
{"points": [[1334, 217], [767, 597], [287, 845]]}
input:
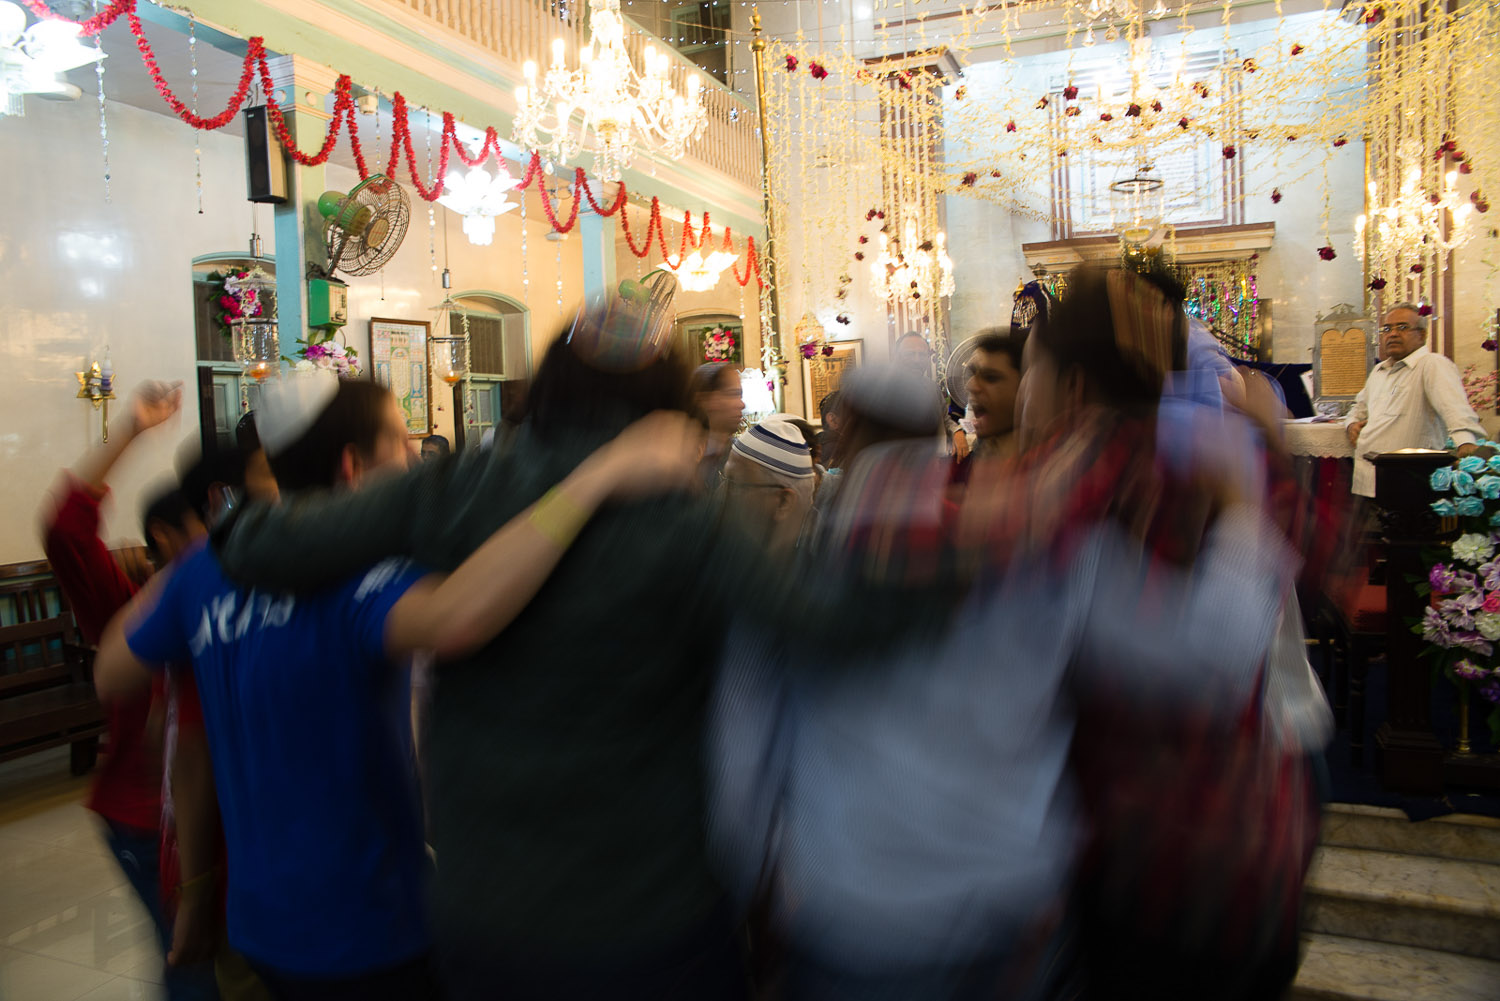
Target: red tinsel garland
{"points": [[254, 54], [345, 115]]}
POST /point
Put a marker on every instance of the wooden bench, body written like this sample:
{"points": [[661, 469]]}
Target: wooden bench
{"points": [[46, 673]]}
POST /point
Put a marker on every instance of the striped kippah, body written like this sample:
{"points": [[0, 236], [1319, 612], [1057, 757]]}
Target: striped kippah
{"points": [[777, 445]]}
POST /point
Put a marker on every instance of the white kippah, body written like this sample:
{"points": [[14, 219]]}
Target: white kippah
{"points": [[893, 396], [289, 406], [777, 445]]}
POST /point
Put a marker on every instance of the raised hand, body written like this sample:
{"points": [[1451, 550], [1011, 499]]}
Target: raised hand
{"points": [[657, 454], [154, 403]]}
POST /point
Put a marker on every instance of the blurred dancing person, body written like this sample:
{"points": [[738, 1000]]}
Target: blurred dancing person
{"points": [[718, 399], [128, 789], [768, 482], [565, 758], [921, 819], [324, 833]]}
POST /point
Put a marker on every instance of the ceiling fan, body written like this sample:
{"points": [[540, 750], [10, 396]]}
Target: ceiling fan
{"points": [[33, 60]]}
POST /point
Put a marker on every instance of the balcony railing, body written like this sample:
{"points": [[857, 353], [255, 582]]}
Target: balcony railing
{"points": [[518, 30]]}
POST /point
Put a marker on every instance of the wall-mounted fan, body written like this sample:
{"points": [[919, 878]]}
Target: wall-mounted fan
{"points": [[956, 371], [366, 226], [628, 330]]}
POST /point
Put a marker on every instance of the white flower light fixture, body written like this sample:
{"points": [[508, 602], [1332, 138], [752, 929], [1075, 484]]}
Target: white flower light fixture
{"points": [[32, 60], [698, 273], [619, 110], [479, 197]]}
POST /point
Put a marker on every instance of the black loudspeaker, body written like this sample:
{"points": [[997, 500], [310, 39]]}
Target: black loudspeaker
{"points": [[265, 164]]}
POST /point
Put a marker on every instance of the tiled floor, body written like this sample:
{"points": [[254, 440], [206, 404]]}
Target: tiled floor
{"points": [[70, 927]]}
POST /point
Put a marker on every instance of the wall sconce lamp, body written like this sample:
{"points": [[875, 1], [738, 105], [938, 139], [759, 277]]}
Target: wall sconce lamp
{"points": [[97, 385]]}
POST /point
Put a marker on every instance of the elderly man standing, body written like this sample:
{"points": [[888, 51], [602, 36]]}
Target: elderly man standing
{"points": [[1412, 399]]}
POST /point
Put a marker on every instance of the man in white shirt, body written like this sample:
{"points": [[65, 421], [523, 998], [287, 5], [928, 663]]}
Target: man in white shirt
{"points": [[1412, 399]]}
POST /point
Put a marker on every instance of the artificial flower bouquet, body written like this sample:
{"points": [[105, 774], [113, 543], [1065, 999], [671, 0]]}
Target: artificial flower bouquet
{"points": [[1462, 622]]}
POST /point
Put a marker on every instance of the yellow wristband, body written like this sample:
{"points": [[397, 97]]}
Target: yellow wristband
{"points": [[558, 518]]}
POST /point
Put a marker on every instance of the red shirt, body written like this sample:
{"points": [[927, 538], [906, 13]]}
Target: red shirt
{"points": [[127, 786]]}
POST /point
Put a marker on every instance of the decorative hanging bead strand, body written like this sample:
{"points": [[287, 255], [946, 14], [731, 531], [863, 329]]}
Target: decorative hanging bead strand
{"points": [[197, 133], [103, 122]]}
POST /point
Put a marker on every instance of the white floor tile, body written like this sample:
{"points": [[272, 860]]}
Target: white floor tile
{"points": [[46, 886], [110, 932], [70, 925], [25, 977], [70, 826], [124, 989]]}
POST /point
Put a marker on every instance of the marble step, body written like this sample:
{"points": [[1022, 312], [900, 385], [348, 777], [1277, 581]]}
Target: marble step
{"points": [[1351, 969], [1456, 836], [1415, 900]]}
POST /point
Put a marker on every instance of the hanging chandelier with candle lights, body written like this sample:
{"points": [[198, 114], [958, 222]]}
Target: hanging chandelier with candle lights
{"points": [[605, 107], [912, 267], [1424, 220]]}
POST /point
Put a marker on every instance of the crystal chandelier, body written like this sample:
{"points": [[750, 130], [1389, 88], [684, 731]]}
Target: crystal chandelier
{"points": [[479, 197], [1114, 11], [911, 268], [1407, 230], [604, 106]]}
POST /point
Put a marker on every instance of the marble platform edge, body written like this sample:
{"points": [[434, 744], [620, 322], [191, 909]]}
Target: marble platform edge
{"points": [[1373, 873], [1443, 931], [1417, 882], [1473, 839], [1337, 968], [1390, 813]]}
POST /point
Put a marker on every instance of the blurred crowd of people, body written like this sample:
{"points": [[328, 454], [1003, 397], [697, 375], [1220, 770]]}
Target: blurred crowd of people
{"points": [[645, 704]]}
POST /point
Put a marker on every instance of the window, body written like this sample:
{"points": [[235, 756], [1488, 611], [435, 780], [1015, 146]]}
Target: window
{"points": [[700, 31], [1203, 187], [499, 353]]}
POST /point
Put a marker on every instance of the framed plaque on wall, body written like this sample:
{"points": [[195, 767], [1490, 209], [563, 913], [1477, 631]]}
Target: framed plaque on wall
{"points": [[398, 361], [823, 374]]}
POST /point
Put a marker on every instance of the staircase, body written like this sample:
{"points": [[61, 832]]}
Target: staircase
{"points": [[1398, 911]]}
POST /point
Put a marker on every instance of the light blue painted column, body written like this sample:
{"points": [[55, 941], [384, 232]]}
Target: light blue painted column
{"points": [[598, 236], [302, 88]]}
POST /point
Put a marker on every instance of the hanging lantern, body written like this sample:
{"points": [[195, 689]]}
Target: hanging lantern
{"points": [[450, 359], [1138, 205], [253, 333]]}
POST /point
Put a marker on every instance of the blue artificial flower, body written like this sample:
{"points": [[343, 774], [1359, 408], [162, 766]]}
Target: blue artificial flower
{"points": [[1444, 508], [1442, 479], [1494, 463], [1495, 519], [1471, 464], [1489, 487], [1470, 507], [1463, 483]]}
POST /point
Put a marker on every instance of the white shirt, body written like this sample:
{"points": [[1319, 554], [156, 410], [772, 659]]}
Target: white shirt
{"points": [[1414, 402]]}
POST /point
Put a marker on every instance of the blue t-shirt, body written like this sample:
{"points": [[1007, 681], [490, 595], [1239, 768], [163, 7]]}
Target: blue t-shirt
{"points": [[309, 727]]}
